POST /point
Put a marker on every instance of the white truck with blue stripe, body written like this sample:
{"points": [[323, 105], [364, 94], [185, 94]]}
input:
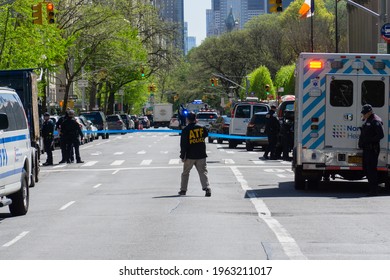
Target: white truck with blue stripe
{"points": [[16, 161], [330, 92]]}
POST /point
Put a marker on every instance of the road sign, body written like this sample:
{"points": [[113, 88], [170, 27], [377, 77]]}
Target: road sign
{"points": [[385, 32], [82, 83]]}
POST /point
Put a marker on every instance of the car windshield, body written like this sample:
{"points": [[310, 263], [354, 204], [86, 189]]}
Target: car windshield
{"points": [[93, 117], [112, 118]]}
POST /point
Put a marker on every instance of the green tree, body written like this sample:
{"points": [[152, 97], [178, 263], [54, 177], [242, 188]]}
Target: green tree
{"points": [[259, 78], [285, 79]]}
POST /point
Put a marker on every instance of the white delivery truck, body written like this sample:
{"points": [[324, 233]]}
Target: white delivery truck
{"points": [[330, 92], [162, 114]]}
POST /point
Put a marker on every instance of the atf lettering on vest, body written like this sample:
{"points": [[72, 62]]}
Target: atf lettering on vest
{"points": [[196, 136]]}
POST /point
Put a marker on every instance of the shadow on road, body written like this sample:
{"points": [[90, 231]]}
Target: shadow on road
{"points": [[335, 189]]}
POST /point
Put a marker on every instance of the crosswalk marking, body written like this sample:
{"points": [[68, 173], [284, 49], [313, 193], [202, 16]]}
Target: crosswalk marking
{"points": [[117, 162], [146, 162], [258, 162], [141, 152], [230, 152], [118, 153], [228, 161], [89, 163], [174, 161]]}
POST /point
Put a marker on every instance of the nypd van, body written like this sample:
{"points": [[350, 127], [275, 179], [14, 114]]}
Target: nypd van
{"points": [[330, 92], [15, 154]]}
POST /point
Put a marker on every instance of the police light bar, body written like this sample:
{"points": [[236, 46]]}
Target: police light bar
{"points": [[315, 64]]}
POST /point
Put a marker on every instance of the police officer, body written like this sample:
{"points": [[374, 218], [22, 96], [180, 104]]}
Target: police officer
{"points": [[287, 134], [62, 138], [193, 152], [370, 136], [272, 129], [72, 131], [48, 138]]}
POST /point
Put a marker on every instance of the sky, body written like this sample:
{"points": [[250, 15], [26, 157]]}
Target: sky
{"points": [[195, 15]]}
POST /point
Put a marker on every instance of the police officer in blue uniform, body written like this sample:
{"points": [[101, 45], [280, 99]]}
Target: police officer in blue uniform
{"points": [[48, 138], [193, 152], [369, 141]]}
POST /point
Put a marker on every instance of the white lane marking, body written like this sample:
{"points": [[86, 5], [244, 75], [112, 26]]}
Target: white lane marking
{"points": [[89, 163], [117, 162], [16, 239], [141, 152], [105, 142], [276, 170], [281, 175], [118, 153], [230, 152], [116, 171], [96, 154], [164, 152], [228, 161], [131, 136], [258, 162], [67, 205], [287, 242], [146, 162], [96, 186], [174, 161]]}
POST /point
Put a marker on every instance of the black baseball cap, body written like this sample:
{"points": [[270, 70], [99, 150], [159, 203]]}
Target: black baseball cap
{"points": [[366, 109], [191, 116]]}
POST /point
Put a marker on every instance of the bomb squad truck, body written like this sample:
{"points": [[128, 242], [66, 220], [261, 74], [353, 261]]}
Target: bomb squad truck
{"points": [[330, 92]]}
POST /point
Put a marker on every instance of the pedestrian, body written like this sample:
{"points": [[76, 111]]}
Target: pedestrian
{"points": [[369, 141], [193, 152], [72, 133], [48, 138], [272, 129], [61, 136]]}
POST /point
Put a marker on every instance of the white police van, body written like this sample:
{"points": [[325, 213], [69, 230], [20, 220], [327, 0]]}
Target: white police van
{"points": [[15, 154]]}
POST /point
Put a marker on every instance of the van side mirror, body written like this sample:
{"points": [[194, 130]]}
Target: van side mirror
{"points": [[3, 122]]}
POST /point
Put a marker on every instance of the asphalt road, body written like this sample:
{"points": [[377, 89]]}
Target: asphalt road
{"points": [[122, 203]]}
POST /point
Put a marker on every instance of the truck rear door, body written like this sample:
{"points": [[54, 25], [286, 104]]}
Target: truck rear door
{"points": [[346, 94]]}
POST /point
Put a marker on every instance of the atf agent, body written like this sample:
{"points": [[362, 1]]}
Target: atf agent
{"points": [[48, 138], [370, 136], [193, 152]]}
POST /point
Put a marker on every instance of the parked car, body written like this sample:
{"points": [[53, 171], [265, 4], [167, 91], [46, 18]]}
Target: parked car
{"points": [[144, 121], [206, 118], [241, 115], [174, 122], [88, 133], [98, 118], [93, 129], [220, 126], [256, 128], [287, 105], [115, 122], [55, 119], [126, 118], [135, 120], [84, 130]]}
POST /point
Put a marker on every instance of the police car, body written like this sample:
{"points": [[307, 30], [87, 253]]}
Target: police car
{"points": [[206, 117], [15, 154]]}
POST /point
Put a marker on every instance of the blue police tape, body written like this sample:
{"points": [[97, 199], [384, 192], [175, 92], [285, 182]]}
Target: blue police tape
{"points": [[213, 135]]}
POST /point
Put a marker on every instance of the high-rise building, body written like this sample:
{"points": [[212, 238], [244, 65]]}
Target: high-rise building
{"points": [[241, 10], [173, 11]]}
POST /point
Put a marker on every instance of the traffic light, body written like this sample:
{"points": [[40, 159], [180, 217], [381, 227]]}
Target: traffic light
{"points": [[142, 72], [212, 82], [50, 13], [37, 13], [276, 6]]}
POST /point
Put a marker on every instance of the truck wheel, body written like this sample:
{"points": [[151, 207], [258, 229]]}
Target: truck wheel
{"points": [[20, 200], [211, 140], [249, 146], [299, 180], [232, 144], [219, 141]]}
